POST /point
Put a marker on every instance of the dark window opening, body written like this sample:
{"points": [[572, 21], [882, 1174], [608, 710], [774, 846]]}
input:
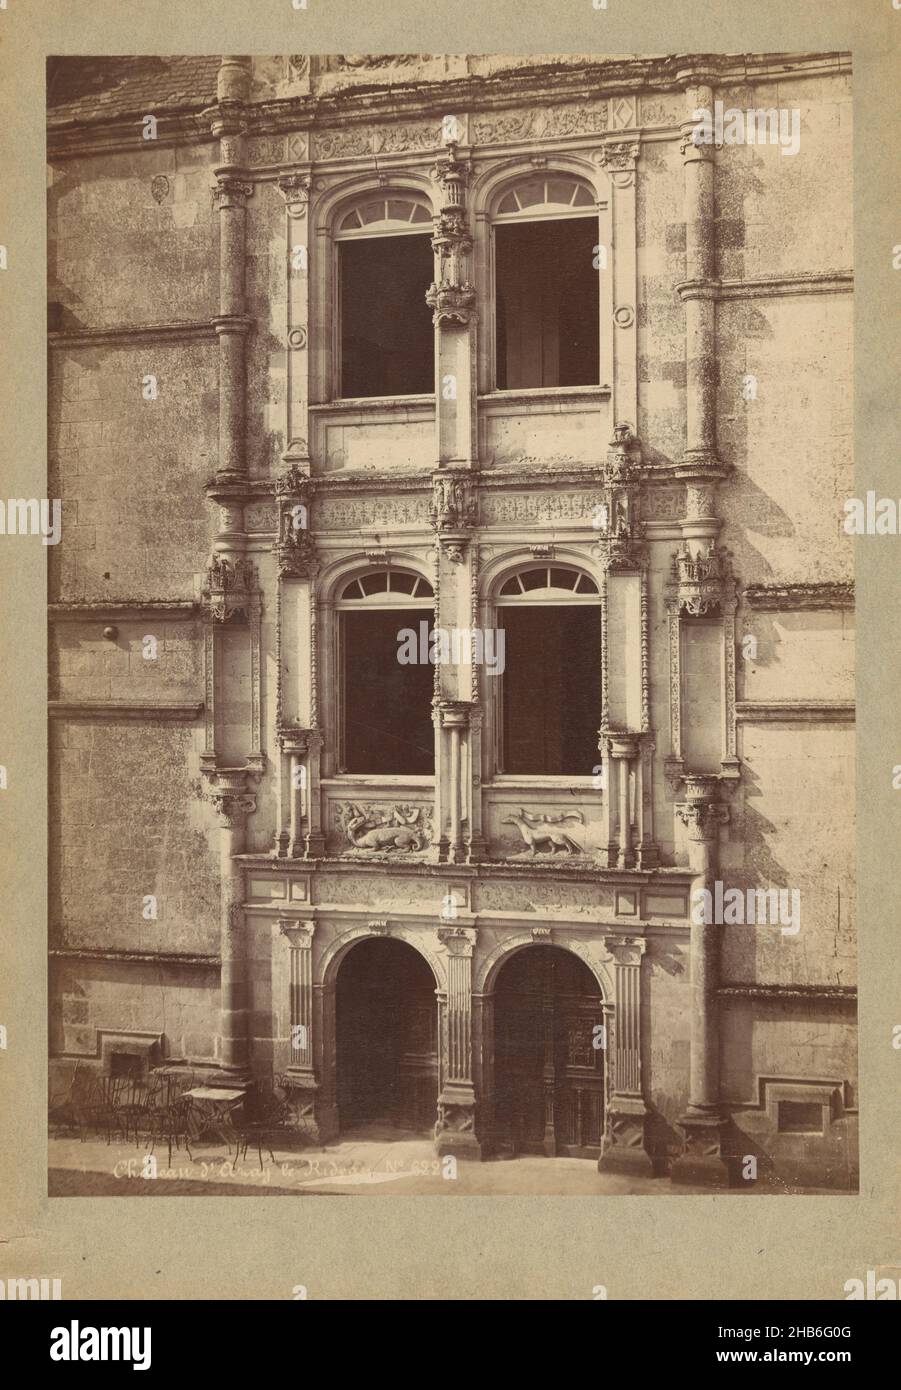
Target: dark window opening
{"points": [[551, 689], [800, 1117], [387, 705], [547, 303], [126, 1064], [387, 337]]}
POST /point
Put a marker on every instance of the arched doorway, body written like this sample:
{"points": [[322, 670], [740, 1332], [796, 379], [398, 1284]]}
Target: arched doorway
{"points": [[387, 1037], [549, 1055]]}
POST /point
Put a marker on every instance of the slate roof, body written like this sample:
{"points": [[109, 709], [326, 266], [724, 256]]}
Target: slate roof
{"points": [[98, 89]]}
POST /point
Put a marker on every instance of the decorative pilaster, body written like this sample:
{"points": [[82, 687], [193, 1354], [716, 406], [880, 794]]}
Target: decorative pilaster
{"points": [[702, 585], [452, 725], [231, 598], [620, 160], [301, 1070], [623, 1148], [455, 1127], [233, 802], [704, 1121], [621, 551], [295, 190], [452, 299]]}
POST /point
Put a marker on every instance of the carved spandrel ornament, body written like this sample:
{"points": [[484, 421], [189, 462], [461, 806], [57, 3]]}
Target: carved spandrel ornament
{"points": [[454, 505], [452, 296], [230, 585], [621, 543], [294, 549], [700, 583]]}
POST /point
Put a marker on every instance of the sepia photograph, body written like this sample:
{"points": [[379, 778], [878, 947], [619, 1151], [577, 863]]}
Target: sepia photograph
{"points": [[450, 648]]}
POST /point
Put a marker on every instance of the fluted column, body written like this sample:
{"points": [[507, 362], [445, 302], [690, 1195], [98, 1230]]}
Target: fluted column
{"points": [[455, 1128]]}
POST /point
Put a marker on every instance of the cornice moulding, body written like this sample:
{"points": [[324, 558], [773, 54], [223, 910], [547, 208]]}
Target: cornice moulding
{"points": [[795, 711], [542, 84], [100, 610], [135, 957], [750, 990], [144, 711], [810, 597], [114, 334]]}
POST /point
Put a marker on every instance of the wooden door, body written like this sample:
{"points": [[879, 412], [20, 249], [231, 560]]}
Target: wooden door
{"points": [[549, 1077]]}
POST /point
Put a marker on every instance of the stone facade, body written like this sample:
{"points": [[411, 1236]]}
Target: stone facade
{"points": [[194, 417]]}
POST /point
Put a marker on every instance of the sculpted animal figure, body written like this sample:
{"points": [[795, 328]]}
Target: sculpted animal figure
{"points": [[387, 837], [537, 831]]}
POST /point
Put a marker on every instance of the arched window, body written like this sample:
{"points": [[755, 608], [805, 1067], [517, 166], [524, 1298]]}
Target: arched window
{"points": [[546, 284], [385, 709], [384, 267], [550, 690]]}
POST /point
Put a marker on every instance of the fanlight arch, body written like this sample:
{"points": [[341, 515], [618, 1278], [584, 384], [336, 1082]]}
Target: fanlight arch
{"points": [[543, 195]]}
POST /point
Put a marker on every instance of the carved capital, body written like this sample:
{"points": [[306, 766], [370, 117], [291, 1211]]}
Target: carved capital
{"points": [[295, 189], [626, 951], [231, 798], [453, 306], [229, 191], [458, 941], [298, 932]]}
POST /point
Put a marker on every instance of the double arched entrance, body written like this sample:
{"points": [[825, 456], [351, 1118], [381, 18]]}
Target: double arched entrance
{"points": [[546, 1070]]}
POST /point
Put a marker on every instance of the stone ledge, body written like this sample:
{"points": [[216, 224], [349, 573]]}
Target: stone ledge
{"points": [[178, 710]]}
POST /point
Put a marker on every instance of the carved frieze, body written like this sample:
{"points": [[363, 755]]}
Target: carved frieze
{"points": [[350, 513], [543, 833], [500, 508], [542, 123], [367, 140], [384, 827]]}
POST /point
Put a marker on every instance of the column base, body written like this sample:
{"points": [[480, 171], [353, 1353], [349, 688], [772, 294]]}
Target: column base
{"points": [[314, 846], [455, 1126], [648, 856], [234, 1078], [304, 1090], [623, 1146], [703, 1162]]}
